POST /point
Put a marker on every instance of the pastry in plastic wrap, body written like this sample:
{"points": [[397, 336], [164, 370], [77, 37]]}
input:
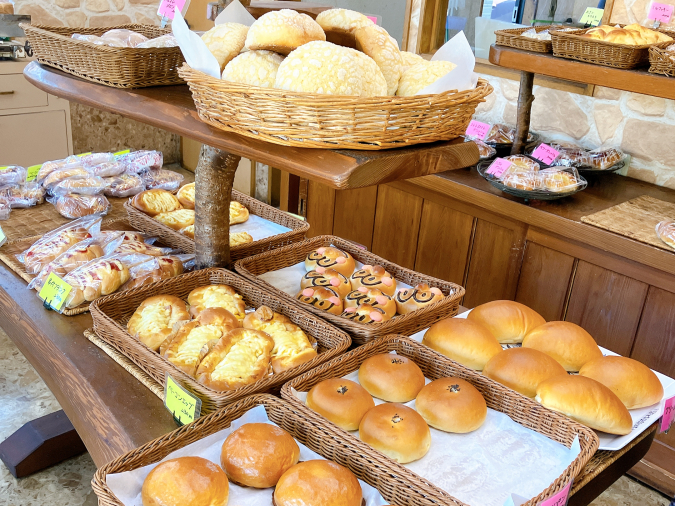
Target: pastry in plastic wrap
{"points": [[153, 320], [365, 313], [605, 158], [520, 163], [92, 185], [107, 169], [323, 298], [95, 279], [225, 41], [128, 37], [177, 220], [528, 181], [503, 134], [238, 213], [12, 174], [21, 196], [125, 185], [140, 161], [533, 34], [154, 202], [375, 42], [186, 196], [373, 297], [666, 232], [48, 167], [76, 206], [216, 296], [157, 269], [93, 159], [141, 248], [162, 180], [255, 68], [558, 181], [62, 174], [167, 40], [283, 31], [419, 76], [5, 209], [485, 152]]}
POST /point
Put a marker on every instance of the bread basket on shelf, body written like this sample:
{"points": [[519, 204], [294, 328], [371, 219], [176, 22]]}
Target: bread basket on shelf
{"points": [[662, 61], [118, 67], [332, 121], [512, 37]]}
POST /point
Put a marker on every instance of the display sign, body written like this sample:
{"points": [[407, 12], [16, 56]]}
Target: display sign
{"points": [[84, 154], [54, 292], [32, 172], [661, 12], [498, 167], [545, 154], [167, 8], [560, 499], [123, 152], [478, 130], [592, 16], [184, 406], [3, 237], [668, 415]]}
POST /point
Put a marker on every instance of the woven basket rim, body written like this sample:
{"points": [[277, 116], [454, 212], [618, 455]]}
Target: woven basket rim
{"points": [[576, 35]]}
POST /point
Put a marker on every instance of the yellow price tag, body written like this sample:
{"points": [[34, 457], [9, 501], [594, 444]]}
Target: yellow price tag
{"points": [[4, 167], [55, 291], [184, 406], [123, 152], [592, 16], [32, 172], [3, 237], [84, 154]]}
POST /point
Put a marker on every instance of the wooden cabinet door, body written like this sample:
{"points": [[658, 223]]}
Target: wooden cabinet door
{"points": [[29, 139]]}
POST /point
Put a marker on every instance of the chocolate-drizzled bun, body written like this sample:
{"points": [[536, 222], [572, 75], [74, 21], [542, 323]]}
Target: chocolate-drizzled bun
{"points": [[372, 296], [329, 257], [321, 298], [329, 278], [366, 313], [374, 276], [411, 299]]}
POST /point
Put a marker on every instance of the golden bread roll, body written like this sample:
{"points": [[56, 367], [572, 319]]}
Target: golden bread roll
{"points": [[75, 257], [365, 313], [238, 212], [451, 405], [410, 59], [153, 202], [329, 257], [341, 401], [318, 482], [633, 382], [522, 369], [342, 20], [225, 41], [43, 251], [93, 280], [465, 341], [153, 320], [329, 278], [558, 180], [283, 31], [325, 299], [419, 76], [375, 42], [586, 401], [391, 377], [177, 220], [223, 296], [566, 342], [374, 276], [186, 196], [239, 358], [291, 345], [186, 481], [397, 431], [412, 299], [74, 206], [373, 297], [256, 68], [508, 321], [240, 238], [257, 454]]}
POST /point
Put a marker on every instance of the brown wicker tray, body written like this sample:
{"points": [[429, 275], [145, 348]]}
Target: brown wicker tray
{"points": [[254, 266], [118, 67], [175, 239], [112, 313], [511, 37], [329, 121], [662, 61], [519, 408]]}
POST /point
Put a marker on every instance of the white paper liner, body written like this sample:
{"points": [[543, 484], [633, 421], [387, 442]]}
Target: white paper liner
{"points": [[259, 228], [127, 485], [485, 466], [642, 418]]}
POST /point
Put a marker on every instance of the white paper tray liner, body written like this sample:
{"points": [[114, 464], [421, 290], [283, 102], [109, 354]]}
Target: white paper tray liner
{"points": [[259, 228], [127, 485], [482, 468]]}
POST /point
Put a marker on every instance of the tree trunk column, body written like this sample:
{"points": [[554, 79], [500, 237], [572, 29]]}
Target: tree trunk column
{"points": [[213, 190], [525, 99]]}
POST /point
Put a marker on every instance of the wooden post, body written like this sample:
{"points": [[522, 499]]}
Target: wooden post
{"points": [[525, 99], [214, 178]]}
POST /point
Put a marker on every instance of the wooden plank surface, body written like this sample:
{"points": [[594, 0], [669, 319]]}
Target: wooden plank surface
{"points": [[172, 108], [658, 319], [354, 217]]}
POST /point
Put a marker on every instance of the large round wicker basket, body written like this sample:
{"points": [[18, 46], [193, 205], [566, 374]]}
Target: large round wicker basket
{"points": [[331, 121]]}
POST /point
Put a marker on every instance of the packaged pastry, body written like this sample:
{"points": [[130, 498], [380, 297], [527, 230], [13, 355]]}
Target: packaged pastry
{"points": [[62, 174], [559, 181], [49, 167], [127, 37], [529, 181], [24, 195], [167, 40], [107, 169], [503, 134], [572, 155], [666, 232], [533, 34], [76, 206], [602, 159], [91, 185], [93, 159], [162, 179], [520, 163], [124, 185], [12, 174], [485, 152], [142, 248], [140, 161], [157, 269], [154, 202], [5, 211]]}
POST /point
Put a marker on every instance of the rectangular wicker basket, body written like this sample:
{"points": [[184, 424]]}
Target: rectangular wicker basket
{"points": [[175, 239], [118, 67], [112, 313], [519, 408], [254, 266], [662, 61], [512, 37]]}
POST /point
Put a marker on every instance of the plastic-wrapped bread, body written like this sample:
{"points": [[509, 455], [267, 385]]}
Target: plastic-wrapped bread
{"points": [[76, 206], [162, 180], [24, 195], [666, 232], [48, 167], [107, 169], [125, 185], [12, 174], [157, 269], [91, 185], [62, 174], [167, 40], [140, 161], [141, 248]]}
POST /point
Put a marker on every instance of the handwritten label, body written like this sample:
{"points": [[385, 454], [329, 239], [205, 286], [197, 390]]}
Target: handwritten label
{"points": [[592, 16], [55, 291], [123, 152], [83, 154], [167, 8], [184, 406], [3, 237], [668, 415], [560, 499], [545, 153], [32, 172], [498, 167], [661, 12], [478, 130]]}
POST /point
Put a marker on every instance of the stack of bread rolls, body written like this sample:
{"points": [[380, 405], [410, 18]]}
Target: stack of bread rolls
{"points": [[631, 35]]}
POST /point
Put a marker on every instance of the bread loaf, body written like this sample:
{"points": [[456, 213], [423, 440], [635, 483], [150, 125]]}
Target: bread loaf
{"points": [[153, 320]]}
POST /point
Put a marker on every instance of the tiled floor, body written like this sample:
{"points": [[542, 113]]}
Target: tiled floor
{"points": [[24, 396]]}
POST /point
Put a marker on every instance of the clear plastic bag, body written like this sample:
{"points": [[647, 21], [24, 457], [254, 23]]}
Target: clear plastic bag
{"points": [[484, 151], [91, 185], [521, 163], [86, 38], [157, 269], [140, 161], [162, 180], [529, 181], [128, 38], [666, 232], [503, 134], [167, 40], [23, 195], [107, 169], [94, 159], [12, 174], [126, 185], [49, 167], [559, 180], [572, 155], [59, 175], [5, 209], [76, 206], [142, 248], [532, 34]]}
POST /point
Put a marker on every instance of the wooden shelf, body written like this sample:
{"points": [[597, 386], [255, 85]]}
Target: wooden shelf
{"points": [[637, 81]]}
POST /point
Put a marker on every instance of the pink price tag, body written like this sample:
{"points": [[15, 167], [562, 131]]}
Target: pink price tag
{"points": [[372, 18], [661, 12], [560, 499], [545, 153], [498, 167], [167, 8], [668, 414], [478, 130]]}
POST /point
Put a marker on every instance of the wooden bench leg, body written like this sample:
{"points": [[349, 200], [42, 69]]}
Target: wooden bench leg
{"points": [[525, 99], [39, 444]]}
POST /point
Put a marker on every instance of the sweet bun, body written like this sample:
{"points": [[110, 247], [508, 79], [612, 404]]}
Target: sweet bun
{"points": [[365, 313], [451, 405], [397, 431], [238, 212], [412, 299], [283, 31], [566, 342], [256, 68], [186, 196], [372, 296], [177, 220], [76, 206], [240, 238], [339, 25], [464, 341], [375, 42], [419, 76], [391, 377], [223, 296], [341, 401], [225, 41], [410, 60], [329, 278], [318, 482], [153, 320], [186, 481], [330, 258], [508, 321], [586, 401], [257, 454], [374, 276], [154, 202], [633, 382], [522, 369], [322, 298]]}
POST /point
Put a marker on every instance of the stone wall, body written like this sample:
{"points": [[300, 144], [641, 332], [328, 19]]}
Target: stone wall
{"points": [[92, 13]]}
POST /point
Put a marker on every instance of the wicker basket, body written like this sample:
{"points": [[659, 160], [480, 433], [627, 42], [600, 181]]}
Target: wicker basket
{"points": [[519, 408], [511, 37], [119, 67], [112, 313], [662, 61], [254, 266], [175, 239], [328, 121]]}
